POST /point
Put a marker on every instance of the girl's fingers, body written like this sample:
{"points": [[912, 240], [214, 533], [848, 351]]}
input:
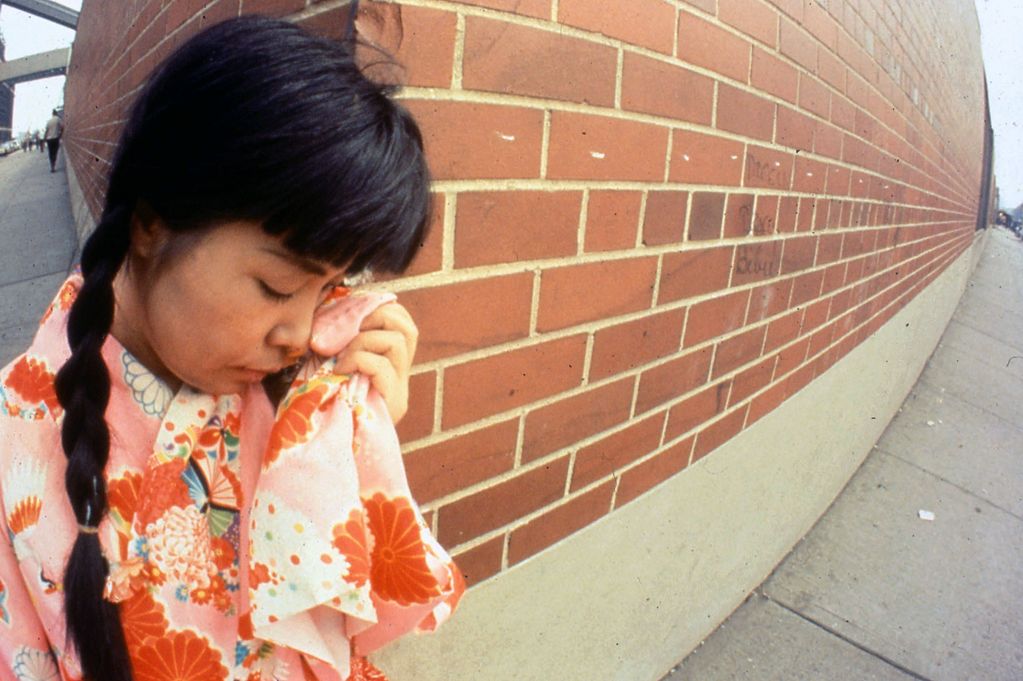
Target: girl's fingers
{"points": [[392, 387], [394, 317]]}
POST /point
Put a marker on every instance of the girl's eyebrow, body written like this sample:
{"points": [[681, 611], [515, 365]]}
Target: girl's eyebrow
{"points": [[295, 260]]}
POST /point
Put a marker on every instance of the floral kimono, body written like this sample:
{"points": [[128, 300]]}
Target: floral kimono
{"points": [[242, 545]]}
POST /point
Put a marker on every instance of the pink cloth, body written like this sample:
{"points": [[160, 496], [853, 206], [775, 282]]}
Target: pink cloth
{"points": [[242, 545]]}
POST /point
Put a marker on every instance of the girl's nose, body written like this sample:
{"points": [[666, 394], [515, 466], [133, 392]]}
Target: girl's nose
{"points": [[291, 335]]}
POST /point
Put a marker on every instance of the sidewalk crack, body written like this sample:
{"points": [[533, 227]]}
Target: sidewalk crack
{"points": [[856, 644]]}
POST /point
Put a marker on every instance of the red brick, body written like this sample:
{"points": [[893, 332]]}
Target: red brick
{"points": [[495, 227], [793, 8], [830, 69], [541, 9], [706, 5], [738, 215], [838, 180], [806, 287], [744, 113], [794, 129], [418, 421], [815, 315], [844, 114], [765, 216], [828, 140], [672, 379], [805, 214], [705, 216], [697, 409], [480, 562], [704, 44], [752, 17], [809, 176], [768, 300], [622, 347], [591, 291], [652, 472], [765, 403], [612, 219], [737, 350], [756, 262], [513, 59], [857, 152], [603, 148], [797, 45], [751, 380], [648, 23], [715, 317], [768, 168], [571, 419], [558, 523], [718, 433], [273, 8], [505, 141], [422, 41], [798, 254], [665, 218], [830, 248], [693, 272], [784, 330], [428, 257], [457, 463], [788, 207], [606, 456], [662, 89], [483, 387], [814, 96], [705, 159], [442, 313], [771, 74], [819, 23], [502, 503]]}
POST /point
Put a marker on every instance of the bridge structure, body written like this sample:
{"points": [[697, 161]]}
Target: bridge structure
{"points": [[34, 66]]}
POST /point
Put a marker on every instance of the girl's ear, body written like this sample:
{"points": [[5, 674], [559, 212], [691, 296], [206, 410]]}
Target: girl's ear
{"points": [[149, 233]]}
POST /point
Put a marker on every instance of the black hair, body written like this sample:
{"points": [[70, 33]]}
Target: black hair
{"points": [[253, 119]]}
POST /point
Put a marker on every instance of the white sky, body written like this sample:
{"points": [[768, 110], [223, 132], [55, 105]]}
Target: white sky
{"points": [[26, 34], [1000, 23]]}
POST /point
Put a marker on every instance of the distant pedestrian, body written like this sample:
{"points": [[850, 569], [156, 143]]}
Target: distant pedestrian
{"points": [[54, 129]]}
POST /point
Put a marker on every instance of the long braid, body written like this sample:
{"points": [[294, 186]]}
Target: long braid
{"points": [[83, 388]]}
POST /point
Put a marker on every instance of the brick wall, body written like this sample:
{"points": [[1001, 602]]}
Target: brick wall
{"points": [[656, 220]]}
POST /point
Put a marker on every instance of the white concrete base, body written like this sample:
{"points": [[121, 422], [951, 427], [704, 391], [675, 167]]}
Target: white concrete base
{"points": [[631, 595], [84, 222]]}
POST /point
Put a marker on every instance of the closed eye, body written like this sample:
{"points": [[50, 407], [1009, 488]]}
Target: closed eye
{"points": [[273, 294]]}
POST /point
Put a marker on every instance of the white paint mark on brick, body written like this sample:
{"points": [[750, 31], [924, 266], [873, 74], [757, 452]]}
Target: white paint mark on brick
{"points": [[597, 154], [506, 138]]}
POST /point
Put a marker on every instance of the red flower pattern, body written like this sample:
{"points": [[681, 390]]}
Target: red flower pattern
{"points": [[293, 424], [177, 656], [399, 571], [351, 541], [30, 378]]}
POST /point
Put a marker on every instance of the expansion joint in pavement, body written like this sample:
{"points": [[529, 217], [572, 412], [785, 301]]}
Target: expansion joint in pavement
{"points": [[856, 644], [962, 489]]}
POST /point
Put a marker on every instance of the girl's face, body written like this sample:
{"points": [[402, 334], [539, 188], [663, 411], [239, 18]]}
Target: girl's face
{"points": [[230, 308]]}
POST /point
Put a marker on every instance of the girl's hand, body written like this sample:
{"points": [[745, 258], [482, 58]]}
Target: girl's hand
{"points": [[383, 351]]}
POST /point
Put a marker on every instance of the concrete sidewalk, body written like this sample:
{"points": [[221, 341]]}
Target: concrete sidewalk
{"points": [[879, 591], [37, 244]]}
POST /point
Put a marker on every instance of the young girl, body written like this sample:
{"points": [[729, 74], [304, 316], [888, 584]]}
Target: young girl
{"points": [[161, 522]]}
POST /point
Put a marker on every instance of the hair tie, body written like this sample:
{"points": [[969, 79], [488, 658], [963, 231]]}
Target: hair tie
{"points": [[88, 529]]}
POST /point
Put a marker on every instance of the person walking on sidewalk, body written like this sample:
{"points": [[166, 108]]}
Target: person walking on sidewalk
{"points": [[54, 129]]}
